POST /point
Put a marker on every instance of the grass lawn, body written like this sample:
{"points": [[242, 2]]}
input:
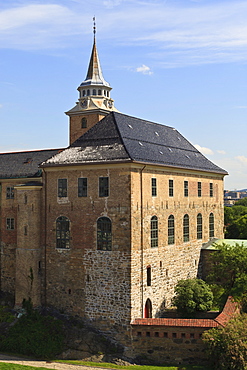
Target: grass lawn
{"points": [[9, 366], [134, 367]]}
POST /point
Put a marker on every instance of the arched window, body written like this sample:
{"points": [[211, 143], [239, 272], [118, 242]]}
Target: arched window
{"points": [[63, 232], [84, 93], [199, 226], [211, 225], [94, 92], [154, 231], [186, 228], [83, 122], [104, 234], [171, 230], [99, 92], [88, 92], [148, 309]]}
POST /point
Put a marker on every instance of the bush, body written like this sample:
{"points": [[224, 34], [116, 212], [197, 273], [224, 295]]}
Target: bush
{"points": [[227, 346], [34, 335], [192, 295]]}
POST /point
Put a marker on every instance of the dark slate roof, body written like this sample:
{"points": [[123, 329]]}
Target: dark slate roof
{"points": [[24, 164], [121, 138]]}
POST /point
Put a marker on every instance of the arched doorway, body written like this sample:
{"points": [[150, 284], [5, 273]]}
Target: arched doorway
{"points": [[148, 309]]}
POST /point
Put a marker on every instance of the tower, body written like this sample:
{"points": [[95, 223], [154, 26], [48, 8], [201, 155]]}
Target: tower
{"points": [[94, 101]]}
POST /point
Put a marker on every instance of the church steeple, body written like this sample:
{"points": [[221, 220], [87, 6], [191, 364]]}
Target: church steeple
{"points": [[94, 97]]}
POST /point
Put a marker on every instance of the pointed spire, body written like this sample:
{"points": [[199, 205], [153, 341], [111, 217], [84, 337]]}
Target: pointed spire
{"points": [[94, 73]]}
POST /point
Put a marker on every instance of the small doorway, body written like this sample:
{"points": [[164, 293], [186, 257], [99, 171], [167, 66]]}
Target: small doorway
{"points": [[148, 309]]}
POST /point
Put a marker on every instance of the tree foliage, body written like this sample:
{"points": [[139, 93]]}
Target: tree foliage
{"points": [[192, 295], [34, 335], [236, 220], [229, 269], [227, 346]]}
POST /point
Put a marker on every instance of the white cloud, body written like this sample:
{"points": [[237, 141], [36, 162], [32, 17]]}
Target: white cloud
{"points": [[204, 150], [144, 69], [176, 33], [221, 152], [242, 159]]}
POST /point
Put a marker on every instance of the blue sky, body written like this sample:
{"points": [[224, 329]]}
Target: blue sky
{"points": [[182, 63]]}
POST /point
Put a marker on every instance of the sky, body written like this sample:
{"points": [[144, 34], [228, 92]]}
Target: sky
{"points": [[182, 63]]}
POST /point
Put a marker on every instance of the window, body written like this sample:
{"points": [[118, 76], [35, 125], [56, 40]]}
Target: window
{"points": [[170, 188], [154, 187], [94, 92], [211, 189], [154, 232], [83, 93], [199, 226], [99, 92], [62, 190], [104, 234], [63, 232], [199, 189], [25, 230], [82, 187], [186, 188], [149, 276], [10, 192], [186, 228], [171, 230], [88, 92], [104, 186], [83, 122], [10, 223], [211, 225]]}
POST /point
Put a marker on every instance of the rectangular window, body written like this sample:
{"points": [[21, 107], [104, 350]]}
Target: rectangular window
{"points": [[154, 187], [170, 188], [82, 187], [199, 189], [103, 186], [10, 192], [62, 190], [211, 189], [10, 223], [148, 276], [186, 188]]}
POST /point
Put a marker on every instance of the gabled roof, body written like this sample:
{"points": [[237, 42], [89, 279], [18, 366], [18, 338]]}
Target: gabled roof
{"points": [[24, 164], [121, 138]]}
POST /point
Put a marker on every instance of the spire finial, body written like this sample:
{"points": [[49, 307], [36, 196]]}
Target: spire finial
{"points": [[94, 27]]}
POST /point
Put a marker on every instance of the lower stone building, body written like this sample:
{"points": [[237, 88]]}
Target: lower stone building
{"points": [[105, 228]]}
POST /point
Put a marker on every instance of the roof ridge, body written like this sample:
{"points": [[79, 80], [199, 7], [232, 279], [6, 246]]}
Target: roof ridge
{"points": [[32, 151]]}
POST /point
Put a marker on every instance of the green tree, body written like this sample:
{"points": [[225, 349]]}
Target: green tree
{"points": [[229, 269], [192, 295], [234, 220], [227, 346]]}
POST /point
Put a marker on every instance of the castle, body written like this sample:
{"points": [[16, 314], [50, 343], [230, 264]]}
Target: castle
{"points": [[105, 228]]}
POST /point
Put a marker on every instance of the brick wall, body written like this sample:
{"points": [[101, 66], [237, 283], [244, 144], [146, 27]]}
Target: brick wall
{"points": [[176, 340]]}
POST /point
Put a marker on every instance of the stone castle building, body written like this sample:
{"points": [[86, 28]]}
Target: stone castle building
{"points": [[105, 228]]}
